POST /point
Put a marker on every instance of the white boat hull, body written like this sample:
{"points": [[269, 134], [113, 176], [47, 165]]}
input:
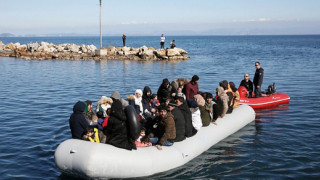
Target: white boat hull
{"points": [[94, 160]]}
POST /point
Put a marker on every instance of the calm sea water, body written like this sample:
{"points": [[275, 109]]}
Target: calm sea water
{"points": [[36, 100]]}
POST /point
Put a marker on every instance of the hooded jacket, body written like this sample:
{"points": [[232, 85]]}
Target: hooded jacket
{"points": [[164, 91], [116, 130], [77, 121]]}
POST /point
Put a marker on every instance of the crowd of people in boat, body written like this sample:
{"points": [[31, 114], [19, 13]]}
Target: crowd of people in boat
{"points": [[177, 111]]}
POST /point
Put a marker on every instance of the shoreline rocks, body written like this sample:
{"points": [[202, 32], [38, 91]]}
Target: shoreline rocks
{"points": [[48, 51]]}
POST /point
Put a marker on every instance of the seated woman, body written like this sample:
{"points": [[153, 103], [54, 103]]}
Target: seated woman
{"points": [[205, 116], [221, 107], [236, 95], [173, 44]]}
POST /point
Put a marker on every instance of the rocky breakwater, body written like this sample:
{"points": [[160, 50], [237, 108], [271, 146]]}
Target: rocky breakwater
{"points": [[48, 51]]}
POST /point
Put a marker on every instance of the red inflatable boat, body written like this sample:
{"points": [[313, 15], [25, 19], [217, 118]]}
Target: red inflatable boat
{"points": [[264, 101]]}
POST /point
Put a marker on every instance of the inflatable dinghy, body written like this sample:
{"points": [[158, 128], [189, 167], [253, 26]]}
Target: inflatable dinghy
{"points": [[266, 101], [93, 160]]}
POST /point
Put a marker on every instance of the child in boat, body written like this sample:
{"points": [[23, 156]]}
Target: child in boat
{"points": [[209, 104], [92, 134], [180, 93], [154, 103], [143, 140]]}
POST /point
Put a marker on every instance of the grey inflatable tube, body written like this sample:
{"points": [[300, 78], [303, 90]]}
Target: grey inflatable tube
{"points": [[97, 160]]}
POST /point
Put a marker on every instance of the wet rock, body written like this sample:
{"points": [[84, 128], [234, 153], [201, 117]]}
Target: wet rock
{"points": [[173, 52]]}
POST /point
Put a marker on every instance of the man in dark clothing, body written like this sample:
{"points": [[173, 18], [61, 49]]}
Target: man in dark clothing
{"points": [[192, 87], [77, 121], [124, 37], [183, 107], [257, 80], [179, 121], [116, 129], [247, 83]]}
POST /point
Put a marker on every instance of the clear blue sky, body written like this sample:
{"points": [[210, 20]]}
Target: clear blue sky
{"points": [[153, 17]]}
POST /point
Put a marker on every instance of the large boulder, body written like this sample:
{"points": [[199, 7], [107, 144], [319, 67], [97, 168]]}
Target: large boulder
{"points": [[161, 52], [181, 51], [91, 48], [83, 48], [145, 52], [44, 44], [111, 48], [22, 48], [125, 48], [173, 52], [144, 48], [74, 48], [10, 46], [60, 48], [35, 46]]}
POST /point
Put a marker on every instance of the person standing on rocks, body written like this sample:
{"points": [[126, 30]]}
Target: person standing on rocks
{"points": [[124, 37], [162, 39]]}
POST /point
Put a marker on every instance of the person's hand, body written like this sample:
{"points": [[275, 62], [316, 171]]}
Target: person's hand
{"points": [[159, 147], [258, 87]]}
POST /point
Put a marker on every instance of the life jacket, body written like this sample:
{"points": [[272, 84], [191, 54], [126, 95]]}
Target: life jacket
{"points": [[96, 136]]}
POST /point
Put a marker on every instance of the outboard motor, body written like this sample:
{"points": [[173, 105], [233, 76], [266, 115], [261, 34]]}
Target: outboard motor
{"points": [[271, 89]]}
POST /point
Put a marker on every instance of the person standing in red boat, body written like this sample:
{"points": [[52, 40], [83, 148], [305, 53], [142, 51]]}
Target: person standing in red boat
{"points": [[257, 80]]}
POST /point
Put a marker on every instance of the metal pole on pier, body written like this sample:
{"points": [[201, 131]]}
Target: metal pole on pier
{"points": [[100, 25]]}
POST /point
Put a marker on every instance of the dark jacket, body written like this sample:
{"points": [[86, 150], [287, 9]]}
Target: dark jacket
{"points": [[146, 100], [248, 85], [163, 92], [180, 124], [188, 119], [77, 121], [116, 129], [258, 77]]}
